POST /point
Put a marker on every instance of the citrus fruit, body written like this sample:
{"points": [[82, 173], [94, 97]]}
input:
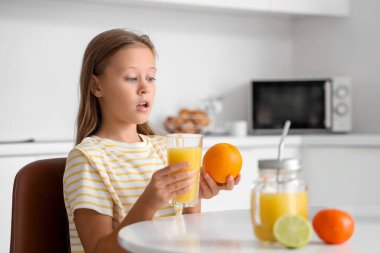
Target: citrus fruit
{"points": [[222, 160], [292, 231], [333, 226]]}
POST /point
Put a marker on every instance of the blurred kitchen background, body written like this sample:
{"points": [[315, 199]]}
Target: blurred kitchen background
{"points": [[206, 49], [203, 51]]}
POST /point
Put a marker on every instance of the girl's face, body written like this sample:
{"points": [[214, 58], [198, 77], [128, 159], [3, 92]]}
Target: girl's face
{"points": [[127, 86]]}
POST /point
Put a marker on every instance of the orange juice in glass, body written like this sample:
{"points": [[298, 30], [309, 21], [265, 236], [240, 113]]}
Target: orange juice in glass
{"points": [[186, 148]]}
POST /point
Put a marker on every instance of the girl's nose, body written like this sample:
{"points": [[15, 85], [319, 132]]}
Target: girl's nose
{"points": [[143, 87]]}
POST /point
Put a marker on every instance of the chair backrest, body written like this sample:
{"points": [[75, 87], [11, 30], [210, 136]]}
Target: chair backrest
{"points": [[39, 219]]}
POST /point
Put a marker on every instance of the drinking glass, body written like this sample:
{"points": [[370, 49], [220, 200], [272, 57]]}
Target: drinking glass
{"points": [[186, 148]]}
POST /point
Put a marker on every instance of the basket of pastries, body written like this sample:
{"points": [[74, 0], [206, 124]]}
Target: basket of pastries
{"points": [[187, 121]]}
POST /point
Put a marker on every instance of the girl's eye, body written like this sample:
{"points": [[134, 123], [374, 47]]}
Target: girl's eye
{"points": [[131, 79], [151, 79]]}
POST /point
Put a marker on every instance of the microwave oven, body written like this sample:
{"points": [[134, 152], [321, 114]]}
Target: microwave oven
{"points": [[312, 105]]}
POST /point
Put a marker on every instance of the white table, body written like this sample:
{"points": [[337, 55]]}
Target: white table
{"points": [[231, 231]]}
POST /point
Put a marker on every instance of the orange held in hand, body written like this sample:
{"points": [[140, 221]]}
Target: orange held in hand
{"points": [[333, 226], [222, 160]]}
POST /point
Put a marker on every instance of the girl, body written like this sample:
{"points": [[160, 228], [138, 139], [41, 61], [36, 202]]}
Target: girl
{"points": [[116, 174]]}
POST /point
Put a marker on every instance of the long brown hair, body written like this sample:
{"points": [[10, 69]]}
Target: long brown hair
{"points": [[95, 59]]}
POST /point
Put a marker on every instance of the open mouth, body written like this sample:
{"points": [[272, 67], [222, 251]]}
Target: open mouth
{"points": [[143, 105]]}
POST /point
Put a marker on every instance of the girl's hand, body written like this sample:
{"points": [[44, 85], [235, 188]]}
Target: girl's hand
{"points": [[167, 183], [208, 188]]}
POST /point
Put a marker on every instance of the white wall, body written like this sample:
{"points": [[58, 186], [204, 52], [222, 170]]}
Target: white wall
{"points": [[325, 47], [200, 54]]}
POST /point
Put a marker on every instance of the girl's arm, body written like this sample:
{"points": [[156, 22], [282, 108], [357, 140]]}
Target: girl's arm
{"points": [[95, 230]]}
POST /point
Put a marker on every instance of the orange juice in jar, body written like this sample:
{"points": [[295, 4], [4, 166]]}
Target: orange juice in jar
{"points": [[278, 191]]}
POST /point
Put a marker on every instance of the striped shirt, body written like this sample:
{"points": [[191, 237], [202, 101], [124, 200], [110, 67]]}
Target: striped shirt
{"points": [[109, 176]]}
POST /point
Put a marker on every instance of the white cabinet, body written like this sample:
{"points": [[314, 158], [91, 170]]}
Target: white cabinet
{"points": [[311, 7], [342, 176], [221, 4], [297, 7]]}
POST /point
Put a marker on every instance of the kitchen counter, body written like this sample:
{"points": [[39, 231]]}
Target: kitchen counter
{"points": [[231, 231], [251, 141], [35, 148], [343, 140]]}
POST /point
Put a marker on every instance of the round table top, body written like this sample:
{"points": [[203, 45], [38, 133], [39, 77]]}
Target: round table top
{"points": [[231, 231]]}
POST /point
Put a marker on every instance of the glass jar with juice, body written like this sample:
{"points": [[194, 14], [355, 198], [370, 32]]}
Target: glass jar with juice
{"points": [[278, 191]]}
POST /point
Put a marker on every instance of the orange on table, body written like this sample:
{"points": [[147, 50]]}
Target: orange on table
{"points": [[333, 226], [222, 160]]}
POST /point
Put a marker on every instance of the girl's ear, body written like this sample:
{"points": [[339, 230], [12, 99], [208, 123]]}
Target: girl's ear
{"points": [[95, 87]]}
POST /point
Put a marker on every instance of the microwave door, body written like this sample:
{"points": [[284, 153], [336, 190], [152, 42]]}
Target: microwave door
{"points": [[328, 101]]}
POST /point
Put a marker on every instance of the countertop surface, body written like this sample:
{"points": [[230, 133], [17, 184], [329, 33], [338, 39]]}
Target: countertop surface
{"points": [[245, 142], [231, 231]]}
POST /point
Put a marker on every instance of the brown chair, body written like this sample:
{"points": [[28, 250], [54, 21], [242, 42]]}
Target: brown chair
{"points": [[39, 219]]}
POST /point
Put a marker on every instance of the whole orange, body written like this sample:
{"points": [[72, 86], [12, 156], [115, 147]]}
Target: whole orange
{"points": [[333, 226], [222, 160]]}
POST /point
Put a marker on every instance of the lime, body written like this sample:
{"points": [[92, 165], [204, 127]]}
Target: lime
{"points": [[293, 231]]}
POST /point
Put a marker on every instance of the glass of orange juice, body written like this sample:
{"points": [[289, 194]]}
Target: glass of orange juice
{"points": [[186, 148], [279, 191]]}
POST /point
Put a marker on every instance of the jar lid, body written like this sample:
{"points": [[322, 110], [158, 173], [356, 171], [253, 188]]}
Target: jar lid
{"points": [[284, 164]]}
